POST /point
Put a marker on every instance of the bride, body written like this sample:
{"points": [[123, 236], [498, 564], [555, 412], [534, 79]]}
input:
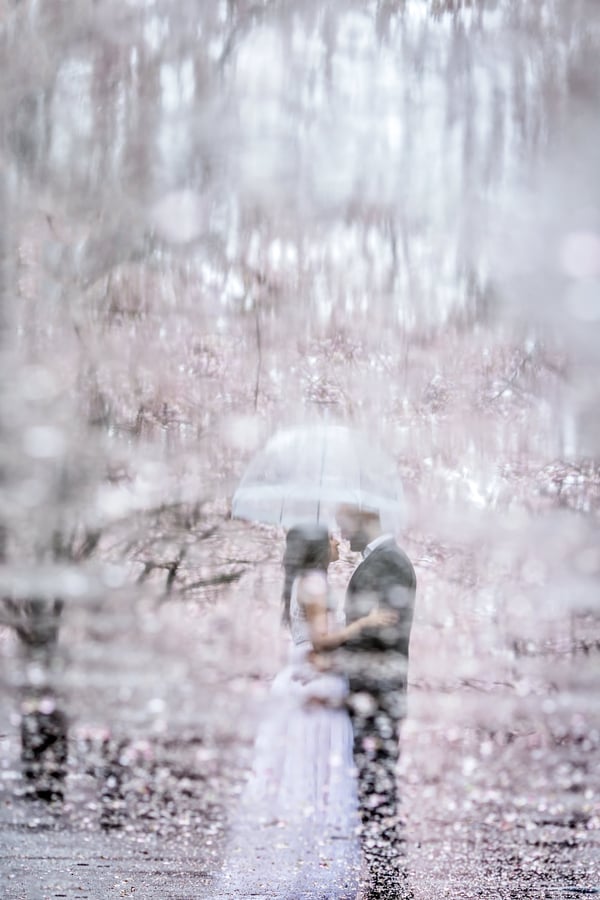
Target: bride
{"points": [[296, 834]]}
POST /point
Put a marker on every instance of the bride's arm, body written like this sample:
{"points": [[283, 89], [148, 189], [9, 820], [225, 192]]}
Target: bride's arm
{"points": [[312, 594]]}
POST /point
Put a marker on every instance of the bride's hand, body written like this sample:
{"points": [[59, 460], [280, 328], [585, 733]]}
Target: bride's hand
{"points": [[320, 662], [381, 618]]}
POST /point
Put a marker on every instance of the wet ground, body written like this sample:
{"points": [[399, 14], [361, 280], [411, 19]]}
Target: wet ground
{"points": [[494, 822]]}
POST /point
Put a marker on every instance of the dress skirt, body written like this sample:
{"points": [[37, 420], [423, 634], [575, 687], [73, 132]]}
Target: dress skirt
{"points": [[296, 831]]}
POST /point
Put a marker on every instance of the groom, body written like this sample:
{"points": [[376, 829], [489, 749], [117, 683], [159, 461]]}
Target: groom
{"points": [[376, 664]]}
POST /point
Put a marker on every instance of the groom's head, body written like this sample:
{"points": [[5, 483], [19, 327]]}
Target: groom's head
{"points": [[359, 526]]}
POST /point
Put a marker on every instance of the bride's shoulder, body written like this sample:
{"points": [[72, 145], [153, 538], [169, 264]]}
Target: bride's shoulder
{"points": [[312, 584]]}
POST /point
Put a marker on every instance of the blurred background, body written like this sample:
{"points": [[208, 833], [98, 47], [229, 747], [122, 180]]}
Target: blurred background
{"points": [[220, 218]]}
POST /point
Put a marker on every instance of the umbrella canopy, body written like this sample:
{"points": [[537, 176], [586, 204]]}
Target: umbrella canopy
{"points": [[302, 474]]}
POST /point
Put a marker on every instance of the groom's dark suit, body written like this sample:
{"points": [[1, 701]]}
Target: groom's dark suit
{"points": [[376, 663]]}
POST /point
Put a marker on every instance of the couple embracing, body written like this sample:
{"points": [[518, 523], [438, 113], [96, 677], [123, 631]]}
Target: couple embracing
{"points": [[319, 816]]}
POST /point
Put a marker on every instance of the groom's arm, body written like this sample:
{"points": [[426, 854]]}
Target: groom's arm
{"points": [[398, 591], [388, 580]]}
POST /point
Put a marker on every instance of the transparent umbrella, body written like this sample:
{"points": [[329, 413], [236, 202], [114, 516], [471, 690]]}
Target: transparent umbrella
{"points": [[302, 474]]}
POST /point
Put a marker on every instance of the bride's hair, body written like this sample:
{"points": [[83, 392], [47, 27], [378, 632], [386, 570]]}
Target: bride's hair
{"points": [[306, 547]]}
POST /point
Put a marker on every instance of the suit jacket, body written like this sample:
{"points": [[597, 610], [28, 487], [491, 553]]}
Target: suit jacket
{"points": [[386, 578]]}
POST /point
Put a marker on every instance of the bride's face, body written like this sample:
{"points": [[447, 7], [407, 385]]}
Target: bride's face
{"points": [[334, 548]]}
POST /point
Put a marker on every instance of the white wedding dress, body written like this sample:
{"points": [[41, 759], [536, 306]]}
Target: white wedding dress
{"points": [[296, 832]]}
